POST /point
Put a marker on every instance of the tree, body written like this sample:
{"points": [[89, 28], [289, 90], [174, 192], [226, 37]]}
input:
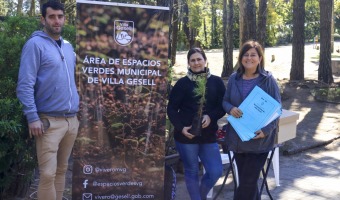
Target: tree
{"points": [[174, 30], [298, 54], [247, 20], [228, 19], [337, 15], [225, 38], [19, 7], [312, 19], [185, 24], [70, 11], [214, 39], [3, 7], [32, 8], [279, 22], [192, 21], [262, 22], [325, 67]]}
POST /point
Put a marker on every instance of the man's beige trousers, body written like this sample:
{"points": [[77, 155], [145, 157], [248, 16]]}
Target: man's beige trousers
{"points": [[53, 152]]}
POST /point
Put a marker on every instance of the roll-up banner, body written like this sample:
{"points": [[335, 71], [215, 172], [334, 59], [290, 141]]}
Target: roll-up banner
{"points": [[122, 63]]}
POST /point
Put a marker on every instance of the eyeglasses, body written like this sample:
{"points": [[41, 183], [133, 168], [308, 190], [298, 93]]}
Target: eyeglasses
{"points": [[251, 55]]}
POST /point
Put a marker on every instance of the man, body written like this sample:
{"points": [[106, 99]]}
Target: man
{"points": [[47, 90]]}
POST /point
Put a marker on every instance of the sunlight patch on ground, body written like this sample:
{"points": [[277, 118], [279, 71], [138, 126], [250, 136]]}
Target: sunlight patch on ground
{"points": [[315, 186]]}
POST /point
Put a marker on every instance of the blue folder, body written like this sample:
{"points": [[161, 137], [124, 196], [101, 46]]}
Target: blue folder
{"points": [[259, 109]]}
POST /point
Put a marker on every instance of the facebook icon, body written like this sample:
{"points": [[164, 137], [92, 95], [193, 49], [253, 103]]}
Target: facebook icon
{"points": [[85, 183]]}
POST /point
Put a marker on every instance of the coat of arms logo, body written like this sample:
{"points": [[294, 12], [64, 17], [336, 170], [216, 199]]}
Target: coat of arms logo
{"points": [[123, 32]]}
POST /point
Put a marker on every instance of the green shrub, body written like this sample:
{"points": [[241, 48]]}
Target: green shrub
{"points": [[17, 157], [69, 33], [14, 33]]}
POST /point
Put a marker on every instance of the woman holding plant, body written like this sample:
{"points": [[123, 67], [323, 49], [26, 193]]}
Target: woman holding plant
{"points": [[197, 95], [250, 156]]}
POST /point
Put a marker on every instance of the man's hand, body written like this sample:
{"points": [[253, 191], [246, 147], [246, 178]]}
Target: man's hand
{"points": [[36, 128]]}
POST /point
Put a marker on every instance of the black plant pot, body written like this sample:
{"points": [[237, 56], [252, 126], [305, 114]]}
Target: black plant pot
{"points": [[196, 128]]}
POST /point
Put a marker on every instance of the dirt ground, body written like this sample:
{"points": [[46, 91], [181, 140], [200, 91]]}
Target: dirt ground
{"points": [[318, 122]]}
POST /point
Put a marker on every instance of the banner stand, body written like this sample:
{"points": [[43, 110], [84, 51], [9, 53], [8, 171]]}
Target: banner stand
{"points": [[122, 63]]}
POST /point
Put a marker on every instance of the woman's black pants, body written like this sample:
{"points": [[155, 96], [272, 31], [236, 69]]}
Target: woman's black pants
{"points": [[249, 166]]}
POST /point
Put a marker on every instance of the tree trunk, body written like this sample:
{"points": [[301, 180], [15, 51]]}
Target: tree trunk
{"points": [[32, 8], [19, 7], [332, 29], [247, 20], [205, 31], [228, 47], [230, 37], [325, 67], [214, 40], [224, 38], [174, 32], [262, 21], [185, 24], [298, 46], [241, 20]]}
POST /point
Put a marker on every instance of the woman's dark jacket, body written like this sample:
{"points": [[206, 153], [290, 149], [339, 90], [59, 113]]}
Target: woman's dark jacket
{"points": [[183, 106], [233, 98]]}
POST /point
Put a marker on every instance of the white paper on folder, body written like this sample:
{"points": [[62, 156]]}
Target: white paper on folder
{"points": [[259, 109]]}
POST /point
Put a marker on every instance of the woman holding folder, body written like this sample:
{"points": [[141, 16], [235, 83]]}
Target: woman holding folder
{"points": [[250, 156]]}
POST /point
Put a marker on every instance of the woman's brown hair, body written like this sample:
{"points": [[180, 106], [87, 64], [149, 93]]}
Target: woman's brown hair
{"points": [[245, 47]]}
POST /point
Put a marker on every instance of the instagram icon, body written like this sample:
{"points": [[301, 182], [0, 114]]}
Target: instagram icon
{"points": [[87, 169]]}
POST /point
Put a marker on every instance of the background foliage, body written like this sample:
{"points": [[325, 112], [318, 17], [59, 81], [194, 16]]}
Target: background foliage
{"points": [[279, 23]]}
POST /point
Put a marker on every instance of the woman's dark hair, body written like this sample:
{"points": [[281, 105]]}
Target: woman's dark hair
{"points": [[196, 50], [54, 4], [245, 47]]}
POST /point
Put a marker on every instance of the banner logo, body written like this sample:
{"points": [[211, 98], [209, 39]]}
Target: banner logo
{"points": [[123, 32]]}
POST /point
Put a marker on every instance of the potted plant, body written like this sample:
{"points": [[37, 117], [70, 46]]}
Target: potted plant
{"points": [[199, 92]]}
